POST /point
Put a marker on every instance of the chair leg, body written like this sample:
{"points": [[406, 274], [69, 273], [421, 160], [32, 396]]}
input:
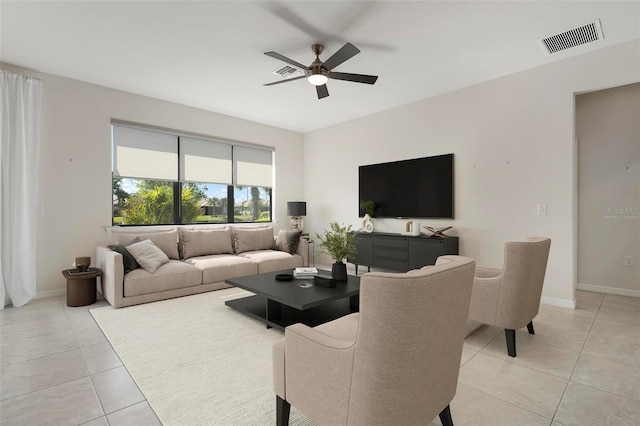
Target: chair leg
{"points": [[283, 408], [530, 328], [511, 341], [445, 417]]}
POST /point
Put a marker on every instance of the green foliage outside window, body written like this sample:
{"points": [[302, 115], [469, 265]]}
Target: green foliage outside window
{"points": [[153, 204]]}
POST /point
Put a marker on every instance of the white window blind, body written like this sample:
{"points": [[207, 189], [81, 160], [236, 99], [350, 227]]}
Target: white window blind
{"points": [[253, 166], [205, 161], [144, 154]]}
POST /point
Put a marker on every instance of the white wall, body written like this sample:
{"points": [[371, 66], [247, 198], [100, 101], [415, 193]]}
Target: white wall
{"points": [[75, 170], [513, 140], [608, 133]]}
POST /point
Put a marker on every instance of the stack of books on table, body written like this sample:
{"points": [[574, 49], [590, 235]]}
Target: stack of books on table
{"points": [[305, 273]]}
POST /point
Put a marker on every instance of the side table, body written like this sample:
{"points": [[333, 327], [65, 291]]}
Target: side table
{"points": [[81, 286]]}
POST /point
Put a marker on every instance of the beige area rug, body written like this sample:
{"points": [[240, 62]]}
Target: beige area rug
{"points": [[197, 361]]}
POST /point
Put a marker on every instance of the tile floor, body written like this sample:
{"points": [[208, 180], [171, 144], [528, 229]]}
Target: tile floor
{"points": [[582, 367]]}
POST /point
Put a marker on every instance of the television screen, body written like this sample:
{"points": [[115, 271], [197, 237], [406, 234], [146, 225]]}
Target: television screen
{"points": [[417, 188]]}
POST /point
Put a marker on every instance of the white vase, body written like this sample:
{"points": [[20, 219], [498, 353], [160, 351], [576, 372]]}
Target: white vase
{"points": [[367, 223]]}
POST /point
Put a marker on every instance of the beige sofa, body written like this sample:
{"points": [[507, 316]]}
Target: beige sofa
{"points": [[200, 260]]}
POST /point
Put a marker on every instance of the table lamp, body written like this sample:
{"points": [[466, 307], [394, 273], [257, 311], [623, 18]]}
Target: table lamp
{"points": [[296, 209]]}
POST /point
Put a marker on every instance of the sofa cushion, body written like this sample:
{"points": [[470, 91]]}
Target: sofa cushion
{"points": [[167, 241], [288, 241], [219, 267], [170, 276], [253, 239], [273, 260], [148, 255], [207, 241]]}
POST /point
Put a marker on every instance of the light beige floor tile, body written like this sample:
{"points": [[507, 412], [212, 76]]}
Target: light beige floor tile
{"points": [[80, 319], [29, 376], [620, 313], [614, 340], [522, 386], [585, 406], [586, 310], [100, 421], [578, 314], [88, 336], [481, 338], [36, 347], [471, 407], [562, 328], [99, 303], [70, 403], [100, 357], [467, 354], [23, 330], [589, 296], [621, 302], [531, 353], [116, 389], [139, 414], [35, 310], [609, 376]]}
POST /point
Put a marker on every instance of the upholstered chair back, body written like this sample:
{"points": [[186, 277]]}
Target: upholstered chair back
{"points": [[523, 272], [409, 342]]}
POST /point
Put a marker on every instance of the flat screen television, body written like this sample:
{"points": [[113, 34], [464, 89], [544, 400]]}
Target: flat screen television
{"points": [[416, 188]]}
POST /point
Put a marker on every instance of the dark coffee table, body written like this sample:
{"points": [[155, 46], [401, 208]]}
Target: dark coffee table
{"points": [[281, 303]]}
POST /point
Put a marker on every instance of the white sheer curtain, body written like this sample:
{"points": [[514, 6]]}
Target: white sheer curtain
{"points": [[20, 105]]}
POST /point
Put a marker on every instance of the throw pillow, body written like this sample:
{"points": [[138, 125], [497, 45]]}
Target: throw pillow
{"points": [[288, 241], [128, 260], [148, 255], [206, 241], [253, 239], [167, 241]]}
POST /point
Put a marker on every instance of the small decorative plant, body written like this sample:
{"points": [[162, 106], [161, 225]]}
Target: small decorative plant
{"points": [[339, 242], [368, 207]]}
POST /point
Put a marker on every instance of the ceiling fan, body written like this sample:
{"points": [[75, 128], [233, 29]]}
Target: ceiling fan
{"points": [[318, 73]]}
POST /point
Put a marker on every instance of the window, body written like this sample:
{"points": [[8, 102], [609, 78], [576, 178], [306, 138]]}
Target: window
{"points": [[163, 178]]}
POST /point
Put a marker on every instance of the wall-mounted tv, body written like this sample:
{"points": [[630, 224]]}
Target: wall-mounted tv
{"points": [[420, 187]]}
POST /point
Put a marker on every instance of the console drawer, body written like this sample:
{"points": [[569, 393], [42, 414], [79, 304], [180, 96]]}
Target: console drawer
{"points": [[391, 253], [395, 264], [396, 242]]}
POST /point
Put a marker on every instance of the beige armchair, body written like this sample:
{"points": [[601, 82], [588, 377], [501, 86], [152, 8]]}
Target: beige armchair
{"points": [[395, 362], [509, 297]]}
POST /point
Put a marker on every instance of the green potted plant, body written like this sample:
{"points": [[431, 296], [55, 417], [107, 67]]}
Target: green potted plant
{"points": [[339, 242], [368, 207]]}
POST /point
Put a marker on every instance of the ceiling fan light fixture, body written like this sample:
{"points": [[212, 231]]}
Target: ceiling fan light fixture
{"points": [[317, 79]]}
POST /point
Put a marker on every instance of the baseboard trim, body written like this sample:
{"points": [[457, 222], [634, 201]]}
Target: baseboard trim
{"points": [[50, 293], [609, 290], [562, 303]]}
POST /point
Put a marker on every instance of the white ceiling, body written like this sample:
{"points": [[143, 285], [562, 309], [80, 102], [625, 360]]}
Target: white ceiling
{"points": [[209, 54]]}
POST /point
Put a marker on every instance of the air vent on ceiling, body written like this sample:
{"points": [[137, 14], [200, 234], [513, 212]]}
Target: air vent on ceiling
{"points": [[583, 34], [287, 70]]}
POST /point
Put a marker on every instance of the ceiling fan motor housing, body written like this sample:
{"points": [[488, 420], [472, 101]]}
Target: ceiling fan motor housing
{"points": [[316, 66]]}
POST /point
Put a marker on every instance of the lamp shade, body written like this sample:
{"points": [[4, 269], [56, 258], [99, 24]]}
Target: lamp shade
{"points": [[296, 208]]}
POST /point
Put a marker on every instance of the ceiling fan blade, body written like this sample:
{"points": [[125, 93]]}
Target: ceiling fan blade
{"points": [[358, 78], [284, 81], [285, 59], [323, 92], [347, 51]]}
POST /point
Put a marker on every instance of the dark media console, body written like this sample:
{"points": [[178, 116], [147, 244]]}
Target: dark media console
{"points": [[399, 252]]}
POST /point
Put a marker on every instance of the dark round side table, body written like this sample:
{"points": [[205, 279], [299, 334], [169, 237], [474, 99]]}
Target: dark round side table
{"points": [[81, 286]]}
